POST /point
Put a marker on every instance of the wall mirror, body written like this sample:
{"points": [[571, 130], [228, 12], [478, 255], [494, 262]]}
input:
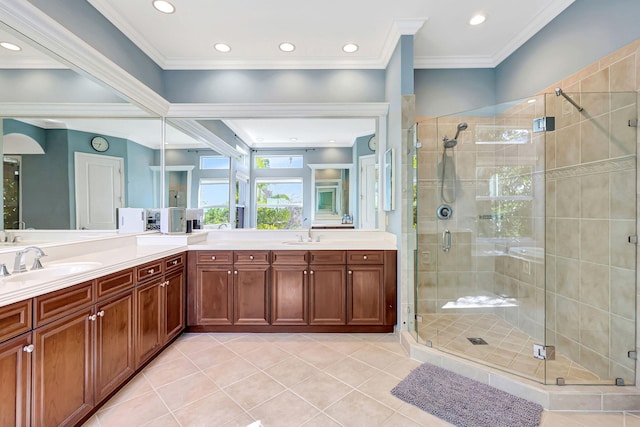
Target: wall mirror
{"points": [[331, 198]]}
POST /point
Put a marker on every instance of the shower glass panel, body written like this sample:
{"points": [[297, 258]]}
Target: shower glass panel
{"points": [[515, 276], [591, 216]]}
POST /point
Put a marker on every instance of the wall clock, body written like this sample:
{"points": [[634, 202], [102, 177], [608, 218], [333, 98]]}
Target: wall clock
{"points": [[99, 144], [373, 143]]}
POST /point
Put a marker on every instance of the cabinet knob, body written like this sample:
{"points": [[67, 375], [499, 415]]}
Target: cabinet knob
{"points": [[213, 258], [28, 348], [311, 272], [350, 272], [93, 317], [390, 306], [100, 313], [304, 272], [364, 257], [167, 283], [229, 272], [250, 256], [235, 272], [150, 271], [175, 262]]}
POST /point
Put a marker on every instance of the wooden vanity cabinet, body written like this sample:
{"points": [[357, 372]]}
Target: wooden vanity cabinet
{"points": [[63, 369], [370, 297], [327, 287], [210, 290], [159, 302], [289, 288], [16, 351], [251, 288]]}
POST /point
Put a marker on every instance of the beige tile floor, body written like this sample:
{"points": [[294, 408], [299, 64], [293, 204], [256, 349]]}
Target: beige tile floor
{"points": [[285, 380], [508, 348]]}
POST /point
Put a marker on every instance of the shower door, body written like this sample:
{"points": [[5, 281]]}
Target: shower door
{"points": [[525, 227]]}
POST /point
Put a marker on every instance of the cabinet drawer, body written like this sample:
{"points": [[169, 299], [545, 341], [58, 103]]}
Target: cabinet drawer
{"points": [[60, 303], [174, 262], [365, 257], [15, 319], [214, 257], [289, 257], [251, 257], [114, 283], [327, 257], [149, 271]]}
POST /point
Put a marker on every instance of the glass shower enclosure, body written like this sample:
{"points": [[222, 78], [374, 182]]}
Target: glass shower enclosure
{"points": [[526, 229]]}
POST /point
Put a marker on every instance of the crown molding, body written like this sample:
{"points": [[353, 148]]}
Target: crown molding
{"points": [[445, 62], [221, 111], [32, 25], [200, 133], [55, 110], [401, 27]]}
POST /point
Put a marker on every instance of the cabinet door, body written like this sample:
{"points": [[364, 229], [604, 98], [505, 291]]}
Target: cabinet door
{"points": [[63, 370], [251, 295], [174, 289], [149, 329], [365, 295], [327, 294], [114, 344], [15, 381], [212, 300], [289, 295]]}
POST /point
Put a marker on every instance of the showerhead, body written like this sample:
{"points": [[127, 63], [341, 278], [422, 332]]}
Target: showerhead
{"points": [[450, 143], [461, 126]]}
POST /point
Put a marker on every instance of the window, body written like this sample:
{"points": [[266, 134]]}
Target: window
{"points": [[213, 197], [214, 162], [278, 162], [279, 203]]}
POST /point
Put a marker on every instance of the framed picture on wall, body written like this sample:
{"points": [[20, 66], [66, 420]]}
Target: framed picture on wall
{"points": [[389, 196]]}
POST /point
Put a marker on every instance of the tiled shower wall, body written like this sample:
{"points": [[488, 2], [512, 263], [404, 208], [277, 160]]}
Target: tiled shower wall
{"points": [[591, 211]]}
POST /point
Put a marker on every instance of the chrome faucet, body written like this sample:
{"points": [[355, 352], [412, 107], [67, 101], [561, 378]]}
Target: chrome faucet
{"points": [[19, 265], [309, 239]]}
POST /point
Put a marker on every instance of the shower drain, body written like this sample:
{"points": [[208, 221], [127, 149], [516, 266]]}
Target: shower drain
{"points": [[478, 341]]}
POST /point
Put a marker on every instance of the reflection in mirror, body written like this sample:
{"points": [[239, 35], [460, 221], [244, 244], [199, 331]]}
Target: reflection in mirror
{"points": [[55, 178], [332, 196]]}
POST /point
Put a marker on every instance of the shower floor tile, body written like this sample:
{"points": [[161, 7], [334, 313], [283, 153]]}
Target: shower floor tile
{"points": [[508, 348]]}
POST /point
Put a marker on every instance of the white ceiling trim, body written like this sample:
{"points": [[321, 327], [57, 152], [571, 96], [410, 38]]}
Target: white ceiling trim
{"points": [[32, 25], [443, 62], [222, 111], [31, 63], [404, 27], [49, 110]]}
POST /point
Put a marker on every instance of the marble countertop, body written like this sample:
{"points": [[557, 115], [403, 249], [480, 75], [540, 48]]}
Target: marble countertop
{"points": [[105, 255]]}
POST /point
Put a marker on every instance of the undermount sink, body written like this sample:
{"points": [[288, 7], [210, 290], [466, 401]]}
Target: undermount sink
{"points": [[298, 242], [54, 271]]}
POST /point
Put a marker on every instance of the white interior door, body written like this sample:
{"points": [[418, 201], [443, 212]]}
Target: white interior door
{"points": [[368, 206], [99, 191]]}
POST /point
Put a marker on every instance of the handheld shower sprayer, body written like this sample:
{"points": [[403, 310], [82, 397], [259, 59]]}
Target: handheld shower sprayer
{"points": [[450, 143]]}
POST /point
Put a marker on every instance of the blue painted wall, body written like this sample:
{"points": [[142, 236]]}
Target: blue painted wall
{"points": [[260, 86], [52, 86], [585, 32]]}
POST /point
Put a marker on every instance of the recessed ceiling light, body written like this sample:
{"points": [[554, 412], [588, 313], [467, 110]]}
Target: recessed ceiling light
{"points": [[477, 19], [222, 47], [287, 47], [293, 139], [332, 141], [10, 46], [531, 101], [350, 47], [163, 6]]}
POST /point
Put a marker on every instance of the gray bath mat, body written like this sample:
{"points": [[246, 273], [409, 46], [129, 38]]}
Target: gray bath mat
{"points": [[465, 402]]}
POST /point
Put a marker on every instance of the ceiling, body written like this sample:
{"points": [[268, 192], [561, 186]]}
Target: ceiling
{"points": [[254, 28]]}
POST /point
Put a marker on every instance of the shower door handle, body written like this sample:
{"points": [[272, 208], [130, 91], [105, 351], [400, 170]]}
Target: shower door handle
{"points": [[446, 240]]}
